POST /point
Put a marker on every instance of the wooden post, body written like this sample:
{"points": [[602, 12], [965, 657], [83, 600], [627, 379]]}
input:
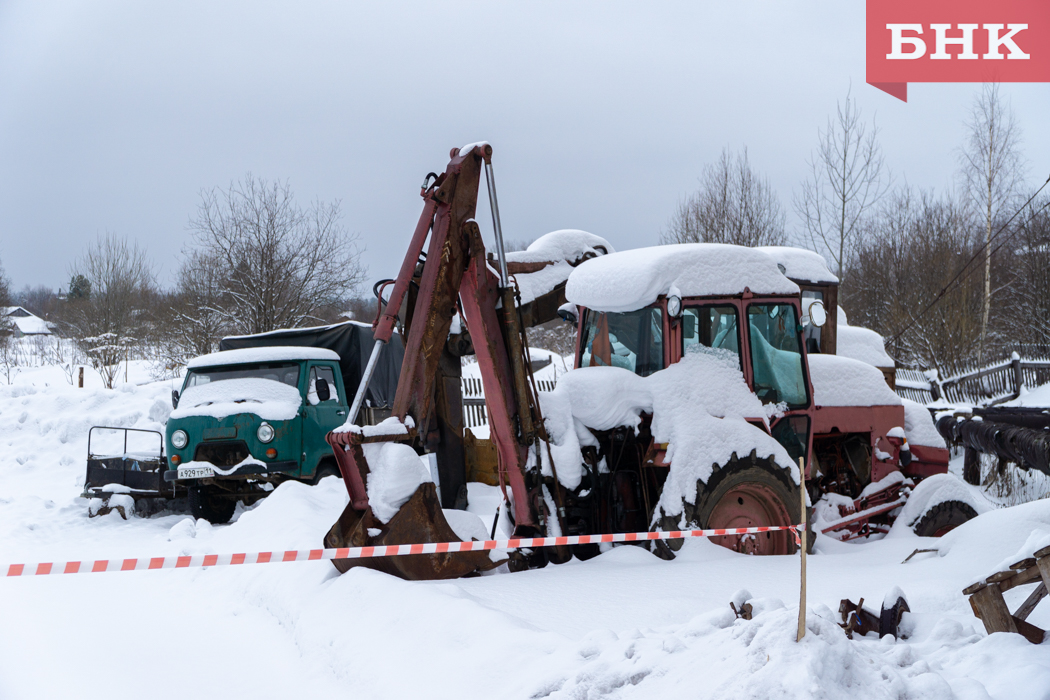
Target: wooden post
{"points": [[971, 466], [1018, 376], [802, 586], [80, 384], [994, 613]]}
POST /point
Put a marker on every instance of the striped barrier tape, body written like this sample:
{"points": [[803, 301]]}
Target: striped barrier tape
{"points": [[206, 560]]}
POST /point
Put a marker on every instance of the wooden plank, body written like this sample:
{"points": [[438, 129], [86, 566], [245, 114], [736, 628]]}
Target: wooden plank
{"points": [[994, 613], [802, 584], [1029, 631], [1044, 552], [1044, 569], [974, 587], [1020, 578], [1023, 564], [1033, 600], [1000, 576]]}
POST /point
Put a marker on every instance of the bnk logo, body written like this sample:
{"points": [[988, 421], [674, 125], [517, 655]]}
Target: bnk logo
{"points": [[956, 41], [965, 41]]}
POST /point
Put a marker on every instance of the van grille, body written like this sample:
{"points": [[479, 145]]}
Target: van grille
{"points": [[222, 454]]}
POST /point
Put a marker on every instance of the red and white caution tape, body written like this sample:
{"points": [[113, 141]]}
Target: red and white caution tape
{"points": [[206, 560]]}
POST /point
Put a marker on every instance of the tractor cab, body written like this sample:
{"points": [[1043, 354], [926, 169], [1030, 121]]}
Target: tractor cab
{"points": [[764, 335], [816, 283]]}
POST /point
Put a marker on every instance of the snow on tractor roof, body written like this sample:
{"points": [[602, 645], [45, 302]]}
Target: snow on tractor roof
{"points": [[566, 244], [245, 356], [800, 264], [633, 279], [564, 249]]}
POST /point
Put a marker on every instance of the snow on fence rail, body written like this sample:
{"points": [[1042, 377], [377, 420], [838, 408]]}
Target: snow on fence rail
{"points": [[474, 413], [992, 384]]}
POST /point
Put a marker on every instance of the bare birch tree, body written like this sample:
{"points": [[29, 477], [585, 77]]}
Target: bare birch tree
{"points": [[733, 205], [280, 264], [846, 178], [992, 171]]}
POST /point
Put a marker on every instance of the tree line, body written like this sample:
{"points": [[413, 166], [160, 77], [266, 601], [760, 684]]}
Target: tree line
{"points": [[951, 279], [258, 261]]}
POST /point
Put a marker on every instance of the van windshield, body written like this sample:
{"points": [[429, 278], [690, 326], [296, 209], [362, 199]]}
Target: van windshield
{"points": [[284, 372]]}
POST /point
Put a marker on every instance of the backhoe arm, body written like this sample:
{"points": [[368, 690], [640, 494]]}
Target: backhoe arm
{"points": [[454, 269]]}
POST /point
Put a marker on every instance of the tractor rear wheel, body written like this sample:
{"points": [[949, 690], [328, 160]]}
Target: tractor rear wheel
{"points": [[208, 503], [749, 492], [943, 518]]}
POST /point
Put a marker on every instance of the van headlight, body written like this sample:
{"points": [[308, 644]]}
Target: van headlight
{"points": [[179, 439], [265, 432]]}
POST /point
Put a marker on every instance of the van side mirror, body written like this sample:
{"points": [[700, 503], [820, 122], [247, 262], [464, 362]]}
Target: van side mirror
{"points": [[324, 392], [174, 398]]}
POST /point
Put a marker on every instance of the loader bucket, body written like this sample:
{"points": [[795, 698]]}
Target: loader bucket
{"points": [[419, 520]]}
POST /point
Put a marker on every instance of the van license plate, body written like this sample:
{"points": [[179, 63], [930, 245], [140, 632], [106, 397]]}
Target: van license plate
{"points": [[195, 472]]}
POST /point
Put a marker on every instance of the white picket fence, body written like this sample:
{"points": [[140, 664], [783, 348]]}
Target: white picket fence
{"points": [[474, 413]]}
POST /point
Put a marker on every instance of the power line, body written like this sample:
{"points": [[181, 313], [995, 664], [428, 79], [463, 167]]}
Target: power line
{"points": [[959, 274]]}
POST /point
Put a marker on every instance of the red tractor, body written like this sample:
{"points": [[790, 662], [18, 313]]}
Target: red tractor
{"points": [[699, 384]]}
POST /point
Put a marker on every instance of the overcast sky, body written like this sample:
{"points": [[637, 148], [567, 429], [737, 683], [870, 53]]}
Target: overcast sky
{"points": [[114, 115]]}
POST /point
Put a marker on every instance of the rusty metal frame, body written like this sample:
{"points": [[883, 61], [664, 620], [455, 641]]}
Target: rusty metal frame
{"points": [[455, 269]]}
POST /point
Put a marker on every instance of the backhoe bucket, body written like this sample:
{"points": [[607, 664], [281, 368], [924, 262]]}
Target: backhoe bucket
{"points": [[419, 520]]}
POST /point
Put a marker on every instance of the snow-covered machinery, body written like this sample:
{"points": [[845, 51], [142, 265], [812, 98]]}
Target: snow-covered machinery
{"points": [[693, 399], [125, 471]]}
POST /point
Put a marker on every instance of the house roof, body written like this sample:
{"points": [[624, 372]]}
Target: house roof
{"points": [[26, 322]]}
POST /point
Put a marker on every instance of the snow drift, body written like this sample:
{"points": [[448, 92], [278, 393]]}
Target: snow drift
{"points": [[700, 407]]}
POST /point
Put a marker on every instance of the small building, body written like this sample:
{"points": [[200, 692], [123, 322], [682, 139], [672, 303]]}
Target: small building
{"points": [[23, 322]]}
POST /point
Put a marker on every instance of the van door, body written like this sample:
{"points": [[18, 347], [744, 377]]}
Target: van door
{"points": [[320, 417]]}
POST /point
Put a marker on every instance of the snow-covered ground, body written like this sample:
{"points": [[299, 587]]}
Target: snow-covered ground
{"points": [[625, 624]]}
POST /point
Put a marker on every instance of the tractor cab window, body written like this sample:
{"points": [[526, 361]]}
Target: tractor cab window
{"points": [[633, 340], [811, 332], [712, 330], [776, 357]]}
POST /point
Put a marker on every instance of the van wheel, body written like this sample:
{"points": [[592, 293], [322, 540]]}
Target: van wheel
{"points": [[208, 503], [323, 471]]}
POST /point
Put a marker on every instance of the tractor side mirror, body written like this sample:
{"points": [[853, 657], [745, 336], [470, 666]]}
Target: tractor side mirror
{"points": [[174, 398], [324, 392], [567, 312], [818, 315]]}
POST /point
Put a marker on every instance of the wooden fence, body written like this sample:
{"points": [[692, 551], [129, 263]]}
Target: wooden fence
{"points": [[985, 386]]}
